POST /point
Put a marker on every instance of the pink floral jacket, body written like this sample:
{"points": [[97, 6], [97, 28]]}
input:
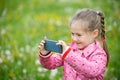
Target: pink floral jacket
{"points": [[87, 64]]}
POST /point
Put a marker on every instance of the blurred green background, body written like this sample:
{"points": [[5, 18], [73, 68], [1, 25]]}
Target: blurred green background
{"points": [[24, 23]]}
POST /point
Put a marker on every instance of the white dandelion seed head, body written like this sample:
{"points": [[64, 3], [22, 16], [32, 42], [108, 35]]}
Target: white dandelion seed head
{"points": [[24, 71], [40, 69], [37, 62], [19, 63], [8, 52], [53, 73]]}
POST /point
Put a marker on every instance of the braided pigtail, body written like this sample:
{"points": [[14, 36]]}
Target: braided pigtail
{"points": [[103, 35]]}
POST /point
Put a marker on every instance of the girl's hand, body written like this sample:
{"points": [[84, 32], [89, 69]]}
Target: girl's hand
{"points": [[64, 45], [41, 48]]}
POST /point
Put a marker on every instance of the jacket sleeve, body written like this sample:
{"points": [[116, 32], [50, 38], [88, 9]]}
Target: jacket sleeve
{"points": [[88, 67], [50, 61]]}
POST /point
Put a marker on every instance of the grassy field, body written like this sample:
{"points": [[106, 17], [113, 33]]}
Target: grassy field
{"points": [[24, 23]]}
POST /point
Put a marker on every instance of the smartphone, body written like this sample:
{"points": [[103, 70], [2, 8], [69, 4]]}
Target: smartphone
{"points": [[51, 45]]}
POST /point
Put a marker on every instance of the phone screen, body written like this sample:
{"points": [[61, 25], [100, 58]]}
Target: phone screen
{"points": [[50, 45]]}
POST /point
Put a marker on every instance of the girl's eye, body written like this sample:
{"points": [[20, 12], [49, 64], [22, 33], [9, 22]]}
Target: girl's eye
{"points": [[72, 33], [76, 34], [79, 35]]}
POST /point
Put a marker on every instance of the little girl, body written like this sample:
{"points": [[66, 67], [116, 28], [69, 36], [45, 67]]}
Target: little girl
{"points": [[84, 58]]}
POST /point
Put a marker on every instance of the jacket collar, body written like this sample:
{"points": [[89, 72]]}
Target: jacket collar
{"points": [[88, 50]]}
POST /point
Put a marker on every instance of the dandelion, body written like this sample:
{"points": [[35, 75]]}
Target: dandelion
{"points": [[58, 23], [39, 69], [115, 23], [53, 73], [11, 74], [24, 71], [8, 52], [27, 48], [3, 31], [37, 62], [22, 49], [114, 78], [10, 58], [19, 63], [45, 70]]}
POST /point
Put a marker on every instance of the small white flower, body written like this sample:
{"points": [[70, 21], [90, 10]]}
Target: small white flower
{"points": [[22, 49], [58, 23], [45, 70], [114, 78], [39, 69], [8, 52], [9, 58], [53, 73], [3, 31], [24, 71], [21, 55], [37, 62], [19, 63], [27, 48]]}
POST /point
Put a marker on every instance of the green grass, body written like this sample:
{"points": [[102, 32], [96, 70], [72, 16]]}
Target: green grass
{"points": [[24, 23]]}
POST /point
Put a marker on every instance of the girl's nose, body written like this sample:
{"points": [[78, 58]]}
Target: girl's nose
{"points": [[74, 38]]}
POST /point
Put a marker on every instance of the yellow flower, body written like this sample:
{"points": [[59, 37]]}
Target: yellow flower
{"points": [[11, 74]]}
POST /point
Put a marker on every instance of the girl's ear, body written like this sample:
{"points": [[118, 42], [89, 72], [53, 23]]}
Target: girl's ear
{"points": [[95, 33]]}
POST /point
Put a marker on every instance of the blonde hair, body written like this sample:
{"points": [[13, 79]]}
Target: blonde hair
{"points": [[95, 20]]}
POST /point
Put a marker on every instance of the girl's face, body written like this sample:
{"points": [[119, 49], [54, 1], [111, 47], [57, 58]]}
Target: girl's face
{"points": [[81, 34]]}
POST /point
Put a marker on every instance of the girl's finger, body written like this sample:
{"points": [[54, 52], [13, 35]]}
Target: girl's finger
{"points": [[42, 41], [60, 42], [41, 44], [64, 45]]}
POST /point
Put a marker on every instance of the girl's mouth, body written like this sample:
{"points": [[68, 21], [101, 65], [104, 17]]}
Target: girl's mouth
{"points": [[78, 43]]}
